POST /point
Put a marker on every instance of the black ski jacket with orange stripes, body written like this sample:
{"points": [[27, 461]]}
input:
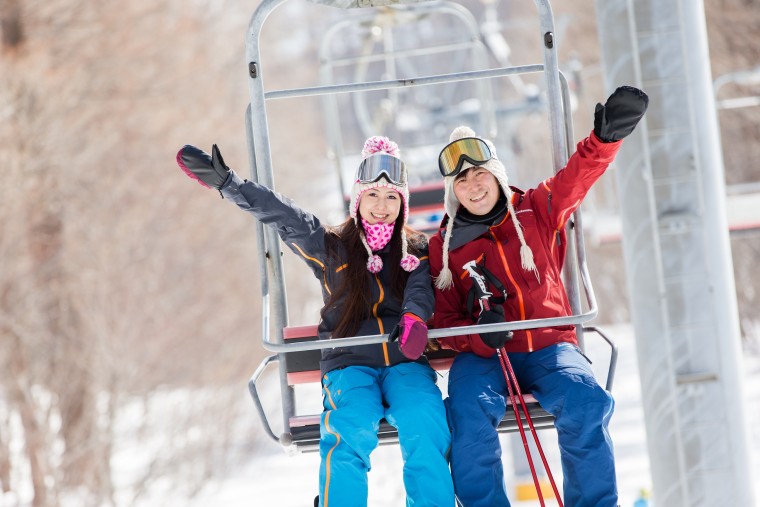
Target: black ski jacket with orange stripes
{"points": [[304, 234]]}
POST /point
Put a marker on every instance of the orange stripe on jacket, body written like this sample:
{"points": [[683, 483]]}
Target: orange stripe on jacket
{"points": [[519, 293]]}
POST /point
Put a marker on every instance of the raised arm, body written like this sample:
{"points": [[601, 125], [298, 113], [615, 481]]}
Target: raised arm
{"points": [[557, 197], [300, 230]]}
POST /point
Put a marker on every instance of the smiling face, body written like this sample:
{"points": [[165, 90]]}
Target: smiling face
{"points": [[477, 190], [380, 205]]}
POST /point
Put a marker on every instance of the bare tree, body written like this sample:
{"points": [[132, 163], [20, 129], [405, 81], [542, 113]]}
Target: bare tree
{"points": [[109, 287]]}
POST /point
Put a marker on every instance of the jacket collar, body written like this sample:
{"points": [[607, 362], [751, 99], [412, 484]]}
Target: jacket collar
{"points": [[465, 230]]}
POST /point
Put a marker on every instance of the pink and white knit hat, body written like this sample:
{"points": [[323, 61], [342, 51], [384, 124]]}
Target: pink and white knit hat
{"points": [[380, 144]]}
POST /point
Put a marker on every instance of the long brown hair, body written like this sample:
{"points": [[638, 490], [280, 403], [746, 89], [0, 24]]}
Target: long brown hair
{"points": [[354, 291]]}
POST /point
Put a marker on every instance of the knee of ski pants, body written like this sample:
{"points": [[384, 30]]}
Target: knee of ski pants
{"points": [[561, 379], [477, 391], [353, 408], [414, 401], [586, 406]]}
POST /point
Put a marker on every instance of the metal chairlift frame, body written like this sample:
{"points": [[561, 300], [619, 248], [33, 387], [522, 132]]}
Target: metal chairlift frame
{"points": [[471, 42], [273, 292]]}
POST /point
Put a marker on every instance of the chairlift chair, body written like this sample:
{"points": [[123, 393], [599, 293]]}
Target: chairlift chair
{"points": [[297, 349]]}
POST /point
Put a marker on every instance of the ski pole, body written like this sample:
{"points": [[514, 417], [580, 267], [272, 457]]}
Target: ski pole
{"points": [[511, 379], [508, 365], [484, 297], [513, 401]]}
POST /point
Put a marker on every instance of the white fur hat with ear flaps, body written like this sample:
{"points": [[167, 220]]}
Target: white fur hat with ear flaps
{"points": [[451, 204]]}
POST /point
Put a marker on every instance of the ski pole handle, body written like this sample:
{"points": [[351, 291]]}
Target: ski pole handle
{"points": [[480, 281]]}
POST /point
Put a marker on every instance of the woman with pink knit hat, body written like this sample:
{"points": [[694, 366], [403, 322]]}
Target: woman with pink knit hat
{"points": [[514, 242], [375, 279]]}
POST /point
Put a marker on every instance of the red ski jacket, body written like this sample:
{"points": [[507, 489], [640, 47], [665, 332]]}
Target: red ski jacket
{"points": [[543, 212]]}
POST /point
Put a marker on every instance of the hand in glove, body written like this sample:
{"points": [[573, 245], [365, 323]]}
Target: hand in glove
{"points": [[211, 172], [411, 333], [496, 339], [620, 114]]}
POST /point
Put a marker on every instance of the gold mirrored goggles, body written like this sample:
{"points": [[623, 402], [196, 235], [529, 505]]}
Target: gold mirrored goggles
{"points": [[454, 155]]}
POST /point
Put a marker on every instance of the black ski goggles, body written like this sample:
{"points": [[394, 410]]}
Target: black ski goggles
{"points": [[381, 165], [454, 155]]}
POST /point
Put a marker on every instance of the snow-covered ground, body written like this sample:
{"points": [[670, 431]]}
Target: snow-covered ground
{"points": [[271, 477]]}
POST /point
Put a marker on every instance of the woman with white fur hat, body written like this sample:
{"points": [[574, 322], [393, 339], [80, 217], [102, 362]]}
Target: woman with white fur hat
{"points": [[516, 241], [375, 278]]}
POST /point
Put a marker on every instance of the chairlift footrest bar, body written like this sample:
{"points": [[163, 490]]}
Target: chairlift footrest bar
{"points": [[305, 429]]}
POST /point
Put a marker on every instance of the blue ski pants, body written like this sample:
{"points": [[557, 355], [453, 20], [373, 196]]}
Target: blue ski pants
{"points": [[355, 399], [561, 380]]}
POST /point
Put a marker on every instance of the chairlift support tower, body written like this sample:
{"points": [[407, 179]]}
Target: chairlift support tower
{"points": [[677, 253]]}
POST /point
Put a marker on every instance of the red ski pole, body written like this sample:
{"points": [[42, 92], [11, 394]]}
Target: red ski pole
{"points": [[484, 296], [511, 379], [513, 401]]}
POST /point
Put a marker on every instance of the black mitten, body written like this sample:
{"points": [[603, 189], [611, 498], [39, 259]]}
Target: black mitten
{"points": [[620, 114], [496, 339], [210, 171]]}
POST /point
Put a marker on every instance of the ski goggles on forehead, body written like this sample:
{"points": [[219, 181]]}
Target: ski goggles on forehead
{"points": [[381, 165], [469, 149]]}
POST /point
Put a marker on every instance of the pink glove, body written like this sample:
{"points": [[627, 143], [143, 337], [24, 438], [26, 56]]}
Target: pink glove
{"points": [[411, 333]]}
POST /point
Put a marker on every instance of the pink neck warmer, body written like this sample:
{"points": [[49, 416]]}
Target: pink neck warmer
{"points": [[378, 235]]}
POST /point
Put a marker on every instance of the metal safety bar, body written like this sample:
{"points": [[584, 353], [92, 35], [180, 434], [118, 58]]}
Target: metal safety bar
{"points": [[435, 333]]}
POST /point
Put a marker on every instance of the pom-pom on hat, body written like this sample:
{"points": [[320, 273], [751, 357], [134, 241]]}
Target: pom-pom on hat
{"points": [[451, 205], [373, 145]]}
